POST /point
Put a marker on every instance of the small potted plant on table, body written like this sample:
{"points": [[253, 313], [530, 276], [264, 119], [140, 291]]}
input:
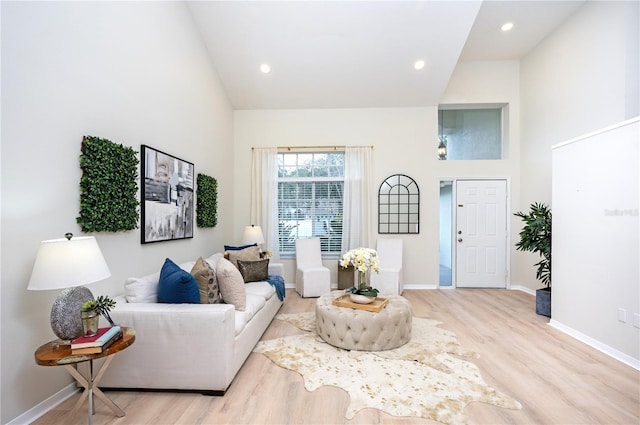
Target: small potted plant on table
{"points": [[362, 259], [91, 312]]}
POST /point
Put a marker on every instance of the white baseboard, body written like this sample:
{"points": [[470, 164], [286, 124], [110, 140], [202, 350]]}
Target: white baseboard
{"points": [[40, 409], [334, 286], [618, 355], [523, 289], [420, 286]]}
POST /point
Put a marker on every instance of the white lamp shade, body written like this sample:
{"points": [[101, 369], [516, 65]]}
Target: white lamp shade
{"points": [[252, 234], [66, 263]]}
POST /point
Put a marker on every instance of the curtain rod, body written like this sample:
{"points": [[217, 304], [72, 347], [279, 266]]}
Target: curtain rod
{"points": [[318, 147]]}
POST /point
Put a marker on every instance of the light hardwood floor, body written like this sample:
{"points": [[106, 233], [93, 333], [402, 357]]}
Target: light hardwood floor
{"points": [[557, 379]]}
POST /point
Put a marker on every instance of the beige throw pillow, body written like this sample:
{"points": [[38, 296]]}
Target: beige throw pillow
{"points": [[251, 253], [207, 282], [231, 284]]}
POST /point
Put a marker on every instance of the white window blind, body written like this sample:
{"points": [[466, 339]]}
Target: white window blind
{"points": [[310, 197]]}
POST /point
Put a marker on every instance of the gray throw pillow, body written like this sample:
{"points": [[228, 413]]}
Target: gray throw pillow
{"points": [[254, 271]]}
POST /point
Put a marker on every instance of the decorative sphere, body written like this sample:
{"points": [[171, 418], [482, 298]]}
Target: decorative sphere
{"points": [[66, 322]]}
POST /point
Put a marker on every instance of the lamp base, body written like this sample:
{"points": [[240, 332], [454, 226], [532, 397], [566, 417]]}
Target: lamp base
{"points": [[66, 322]]}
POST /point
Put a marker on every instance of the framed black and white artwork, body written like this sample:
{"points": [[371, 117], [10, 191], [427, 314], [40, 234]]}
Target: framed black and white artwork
{"points": [[168, 196]]}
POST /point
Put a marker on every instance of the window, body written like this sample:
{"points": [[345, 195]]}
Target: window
{"points": [[310, 194], [473, 132]]}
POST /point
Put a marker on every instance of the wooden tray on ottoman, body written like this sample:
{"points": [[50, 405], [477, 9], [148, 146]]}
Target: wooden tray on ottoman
{"points": [[374, 306]]}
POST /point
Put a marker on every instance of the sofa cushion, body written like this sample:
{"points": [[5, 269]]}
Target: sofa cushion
{"points": [[231, 284], [263, 289], [254, 271], [254, 304], [207, 282], [176, 285], [251, 253]]}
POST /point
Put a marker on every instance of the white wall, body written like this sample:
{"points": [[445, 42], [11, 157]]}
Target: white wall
{"points": [[581, 78], [596, 238], [405, 141], [132, 72]]}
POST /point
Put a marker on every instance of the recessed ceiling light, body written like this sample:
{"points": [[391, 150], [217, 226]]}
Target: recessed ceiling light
{"points": [[419, 64], [507, 26], [265, 68]]}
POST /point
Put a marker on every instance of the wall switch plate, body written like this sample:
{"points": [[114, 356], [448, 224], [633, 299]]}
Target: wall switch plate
{"points": [[636, 320], [622, 315]]}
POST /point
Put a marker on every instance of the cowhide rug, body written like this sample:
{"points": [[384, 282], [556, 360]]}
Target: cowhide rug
{"points": [[423, 378]]}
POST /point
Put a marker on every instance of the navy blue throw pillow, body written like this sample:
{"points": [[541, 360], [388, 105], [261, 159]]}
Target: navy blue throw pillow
{"points": [[238, 248], [177, 286]]}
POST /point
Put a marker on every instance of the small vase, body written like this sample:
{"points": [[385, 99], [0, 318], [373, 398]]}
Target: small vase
{"points": [[362, 280], [361, 299], [90, 321]]}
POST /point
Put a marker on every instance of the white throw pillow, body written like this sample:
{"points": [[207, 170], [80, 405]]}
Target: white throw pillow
{"points": [[231, 284], [213, 260], [142, 289], [145, 289]]}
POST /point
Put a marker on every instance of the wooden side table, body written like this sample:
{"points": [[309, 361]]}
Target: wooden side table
{"points": [[53, 354]]}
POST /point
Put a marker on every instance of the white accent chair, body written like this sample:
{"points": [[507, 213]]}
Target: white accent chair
{"points": [[389, 279], [312, 278]]}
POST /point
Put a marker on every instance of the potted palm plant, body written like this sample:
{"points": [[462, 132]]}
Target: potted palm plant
{"points": [[535, 236]]}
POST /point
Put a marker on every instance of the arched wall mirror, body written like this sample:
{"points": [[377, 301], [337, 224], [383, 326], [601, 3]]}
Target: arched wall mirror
{"points": [[399, 205]]}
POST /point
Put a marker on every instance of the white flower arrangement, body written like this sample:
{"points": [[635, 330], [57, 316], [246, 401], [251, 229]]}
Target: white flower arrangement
{"points": [[361, 259]]}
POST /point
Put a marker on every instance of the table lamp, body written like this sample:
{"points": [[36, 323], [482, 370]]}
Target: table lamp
{"points": [[68, 263], [252, 234]]}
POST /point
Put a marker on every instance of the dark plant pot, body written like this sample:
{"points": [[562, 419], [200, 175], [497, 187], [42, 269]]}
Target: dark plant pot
{"points": [[543, 302]]}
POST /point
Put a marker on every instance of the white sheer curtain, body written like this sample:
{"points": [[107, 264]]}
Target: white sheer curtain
{"points": [[357, 219], [264, 196]]}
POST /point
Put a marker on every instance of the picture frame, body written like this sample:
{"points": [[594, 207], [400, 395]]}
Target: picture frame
{"points": [[168, 196]]}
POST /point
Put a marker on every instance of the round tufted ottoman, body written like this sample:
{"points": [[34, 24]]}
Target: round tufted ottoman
{"points": [[362, 330]]}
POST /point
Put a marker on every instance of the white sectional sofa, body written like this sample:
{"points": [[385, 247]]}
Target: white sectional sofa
{"points": [[196, 347]]}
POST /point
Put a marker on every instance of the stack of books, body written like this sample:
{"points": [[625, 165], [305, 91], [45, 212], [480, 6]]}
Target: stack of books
{"points": [[97, 343]]}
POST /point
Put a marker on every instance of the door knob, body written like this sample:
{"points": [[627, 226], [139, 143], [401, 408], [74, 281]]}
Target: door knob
{"points": [[459, 239], [459, 232]]}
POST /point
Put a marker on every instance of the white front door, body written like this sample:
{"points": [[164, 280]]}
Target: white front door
{"points": [[481, 233]]}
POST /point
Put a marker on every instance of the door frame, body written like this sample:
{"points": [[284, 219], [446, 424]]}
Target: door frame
{"points": [[454, 225]]}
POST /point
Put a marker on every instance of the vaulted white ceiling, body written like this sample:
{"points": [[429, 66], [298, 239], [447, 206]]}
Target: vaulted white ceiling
{"points": [[361, 54]]}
